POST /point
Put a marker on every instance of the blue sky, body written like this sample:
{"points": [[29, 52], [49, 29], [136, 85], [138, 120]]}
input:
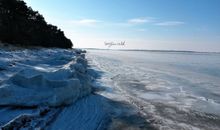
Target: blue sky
{"points": [[142, 24]]}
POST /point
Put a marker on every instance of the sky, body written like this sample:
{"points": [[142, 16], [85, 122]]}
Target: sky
{"points": [[192, 25]]}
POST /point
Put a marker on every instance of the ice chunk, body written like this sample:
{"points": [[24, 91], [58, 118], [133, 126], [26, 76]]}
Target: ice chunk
{"points": [[32, 87], [52, 93], [82, 61], [78, 67], [52, 77]]}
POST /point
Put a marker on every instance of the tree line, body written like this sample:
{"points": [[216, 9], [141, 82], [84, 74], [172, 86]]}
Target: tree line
{"points": [[20, 25]]}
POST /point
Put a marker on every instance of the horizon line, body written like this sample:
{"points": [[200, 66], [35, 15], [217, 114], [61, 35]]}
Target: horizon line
{"points": [[153, 50]]}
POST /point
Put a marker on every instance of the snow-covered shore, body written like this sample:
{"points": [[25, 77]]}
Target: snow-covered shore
{"points": [[42, 77], [116, 90], [39, 85]]}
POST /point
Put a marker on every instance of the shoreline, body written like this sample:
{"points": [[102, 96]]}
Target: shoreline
{"points": [[39, 82], [91, 107], [115, 100], [100, 111]]}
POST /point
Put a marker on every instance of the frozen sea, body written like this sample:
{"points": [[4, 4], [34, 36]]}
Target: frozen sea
{"points": [[170, 90], [119, 90]]}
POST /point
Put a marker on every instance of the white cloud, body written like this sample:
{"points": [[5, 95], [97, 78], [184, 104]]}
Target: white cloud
{"points": [[85, 22], [141, 30], [140, 20], [170, 23]]}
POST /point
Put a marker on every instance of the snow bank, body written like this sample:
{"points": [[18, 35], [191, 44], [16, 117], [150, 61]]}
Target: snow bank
{"points": [[43, 77]]}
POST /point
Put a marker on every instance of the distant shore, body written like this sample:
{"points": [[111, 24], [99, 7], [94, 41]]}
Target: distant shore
{"points": [[177, 51]]}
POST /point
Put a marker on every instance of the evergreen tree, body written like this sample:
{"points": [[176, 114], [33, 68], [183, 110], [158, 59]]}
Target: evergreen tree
{"points": [[21, 25]]}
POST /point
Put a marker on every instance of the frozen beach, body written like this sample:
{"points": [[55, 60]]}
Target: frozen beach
{"points": [[104, 89], [47, 89], [109, 65]]}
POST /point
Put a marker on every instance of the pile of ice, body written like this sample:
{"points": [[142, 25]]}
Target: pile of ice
{"points": [[51, 77]]}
